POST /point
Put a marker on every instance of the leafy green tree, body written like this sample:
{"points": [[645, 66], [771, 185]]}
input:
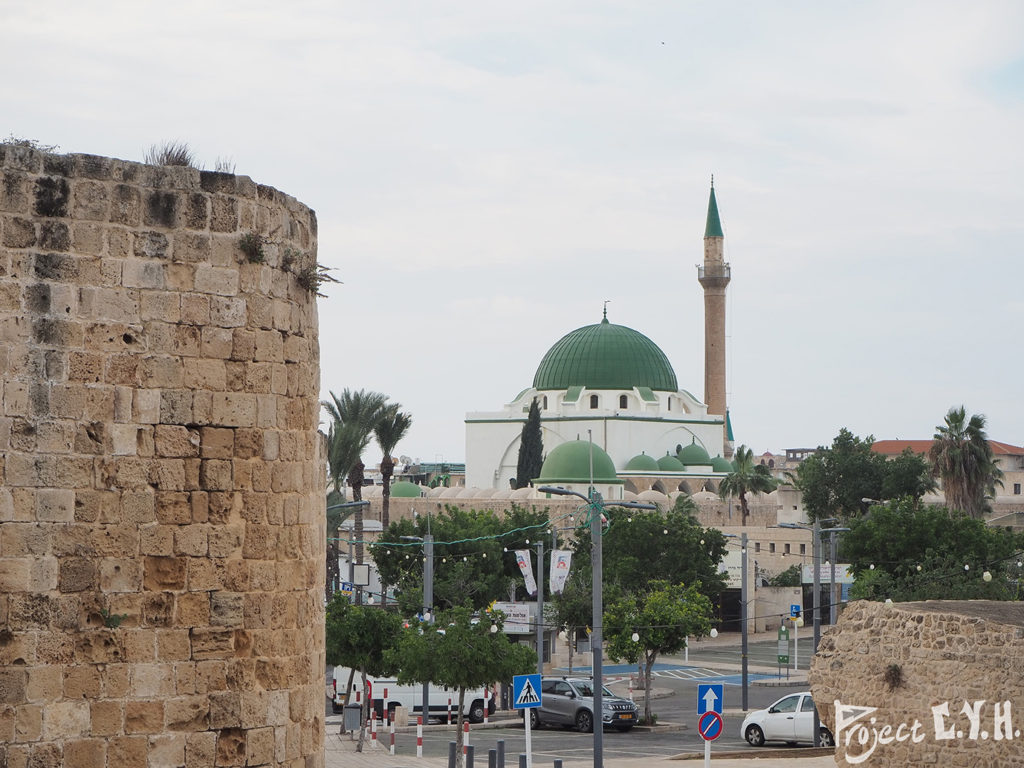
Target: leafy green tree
{"points": [[390, 428], [963, 459], [353, 417], [746, 477], [531, 448], [661, 618], [904, 551], [461, 652], [362, 638], [643, 546], [834, 480], [791, 577], [909, 474], [474, 559]]}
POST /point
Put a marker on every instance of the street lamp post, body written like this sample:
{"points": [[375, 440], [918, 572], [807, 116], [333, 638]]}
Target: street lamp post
{"points": [[744, 597], [428, 601], [596, 504], [540, 607]]}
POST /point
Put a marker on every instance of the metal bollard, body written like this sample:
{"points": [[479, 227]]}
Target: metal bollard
{"points": [[558, 762], [469, 756], [492, 758], [451, 754], [522, 760], [501, 753]]}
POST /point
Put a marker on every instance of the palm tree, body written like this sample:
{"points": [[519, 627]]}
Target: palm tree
{"points": [[745, 478], [353, 417], [962, 458], [389, 429]]}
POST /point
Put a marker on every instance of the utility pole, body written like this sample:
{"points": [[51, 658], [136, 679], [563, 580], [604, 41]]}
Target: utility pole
{"points": [[540, 607], [743, 614]]}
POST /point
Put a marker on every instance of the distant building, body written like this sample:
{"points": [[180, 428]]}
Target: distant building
{"points": [[615, 386]]}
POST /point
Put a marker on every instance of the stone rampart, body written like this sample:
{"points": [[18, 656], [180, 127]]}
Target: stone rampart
{"points": [[932, 683], [161, 482]]}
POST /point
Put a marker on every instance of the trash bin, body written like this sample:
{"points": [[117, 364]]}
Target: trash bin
{"points": [[353, 717]]}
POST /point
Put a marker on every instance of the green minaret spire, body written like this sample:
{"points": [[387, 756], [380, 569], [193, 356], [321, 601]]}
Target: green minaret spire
{"points": [[714, 225]]}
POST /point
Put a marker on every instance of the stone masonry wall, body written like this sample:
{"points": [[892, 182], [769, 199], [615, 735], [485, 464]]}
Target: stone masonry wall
{"points": [[161, 503], [955, 689]]}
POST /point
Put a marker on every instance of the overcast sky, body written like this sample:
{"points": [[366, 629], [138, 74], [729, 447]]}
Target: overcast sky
{"points": [[485, 175]]}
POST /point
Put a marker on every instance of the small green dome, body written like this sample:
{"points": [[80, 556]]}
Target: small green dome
{"points": [[403, 489], [605, 356], [694, 454], [669, 463], [718, 464], [570, 463], [642, 463]]}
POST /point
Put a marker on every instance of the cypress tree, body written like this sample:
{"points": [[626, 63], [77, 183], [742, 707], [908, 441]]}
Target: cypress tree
{"points": [[531, 448]]}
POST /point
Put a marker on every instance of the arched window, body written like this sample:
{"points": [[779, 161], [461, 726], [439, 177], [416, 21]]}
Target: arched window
{"points": [[670, 403], [623, 400], [544, 403], [593, 402]]}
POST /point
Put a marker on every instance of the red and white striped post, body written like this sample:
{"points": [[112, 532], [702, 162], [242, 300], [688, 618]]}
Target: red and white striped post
{"points": [[373, 728], [419, 736], [487, 701], [391, 724], [465, 736], [449, 709]]}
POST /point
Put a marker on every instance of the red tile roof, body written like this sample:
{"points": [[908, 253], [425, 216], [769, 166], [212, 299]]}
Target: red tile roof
{"points": [[896, 447]]}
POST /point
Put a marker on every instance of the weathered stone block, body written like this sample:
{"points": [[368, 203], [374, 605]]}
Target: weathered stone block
{"points": [[77, 574], [65, 720], [106, 717], [143, 716], [164, 573]]}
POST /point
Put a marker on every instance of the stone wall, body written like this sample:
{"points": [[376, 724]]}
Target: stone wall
{"points": [[161, 504], [945, 679]]}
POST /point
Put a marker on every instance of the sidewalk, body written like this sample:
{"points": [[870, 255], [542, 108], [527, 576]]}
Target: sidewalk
{"points": [[340, 752]]}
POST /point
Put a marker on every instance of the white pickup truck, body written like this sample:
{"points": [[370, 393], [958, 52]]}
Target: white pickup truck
{"points": [[386, 694]]}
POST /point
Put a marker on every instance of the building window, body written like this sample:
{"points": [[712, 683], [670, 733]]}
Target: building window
{"points": [[623, 402], [786, 549], [771, 547], [544, 403], [593, 402], [670, 403], [757, 547], [803, 549], [1016, 489]]}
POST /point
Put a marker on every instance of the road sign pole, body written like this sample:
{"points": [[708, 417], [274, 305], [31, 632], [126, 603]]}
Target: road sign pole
{"points": [[707, 754], [529, 744]]}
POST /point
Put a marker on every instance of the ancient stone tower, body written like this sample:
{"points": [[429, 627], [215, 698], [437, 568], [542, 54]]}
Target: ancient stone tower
{"points": [[161, 489], [714, 275]]}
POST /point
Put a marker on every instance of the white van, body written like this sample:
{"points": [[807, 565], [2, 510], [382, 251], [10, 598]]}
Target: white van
{"points": [[386, 694]]}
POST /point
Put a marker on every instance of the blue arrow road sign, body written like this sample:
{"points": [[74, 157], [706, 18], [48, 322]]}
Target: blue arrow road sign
{"points": [[525, 691], [709, 698]]}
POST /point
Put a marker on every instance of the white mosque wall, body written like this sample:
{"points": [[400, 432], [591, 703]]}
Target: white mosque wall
{"points": [[492, 444]]}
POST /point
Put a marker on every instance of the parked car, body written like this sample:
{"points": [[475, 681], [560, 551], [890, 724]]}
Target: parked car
{"points": [[569, 701], [790, 719], [386, 694]]}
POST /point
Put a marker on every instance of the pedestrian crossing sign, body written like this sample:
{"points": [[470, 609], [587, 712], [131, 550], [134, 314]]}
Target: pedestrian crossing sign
{"points": [[525, 691]]}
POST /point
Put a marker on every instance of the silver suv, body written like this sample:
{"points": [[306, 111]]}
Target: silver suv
{"points": [[569, 701]]}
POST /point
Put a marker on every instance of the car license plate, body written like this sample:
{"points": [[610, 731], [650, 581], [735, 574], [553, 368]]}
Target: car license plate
{"points": [[626, 717]]}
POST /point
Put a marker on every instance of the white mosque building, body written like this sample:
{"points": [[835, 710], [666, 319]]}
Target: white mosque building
{"points": [[611, 387]]}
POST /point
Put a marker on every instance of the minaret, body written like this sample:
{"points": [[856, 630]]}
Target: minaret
{"points": [[714, 276]]}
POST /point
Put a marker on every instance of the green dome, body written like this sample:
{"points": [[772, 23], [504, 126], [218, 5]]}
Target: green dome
{"points": [[605, 356], [570, 463], [642, 463], [403, 489], [669, 463], [694, 454], [718, 464]]}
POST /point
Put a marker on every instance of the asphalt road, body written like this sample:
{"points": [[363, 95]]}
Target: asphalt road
{"points": [[678, 708]]}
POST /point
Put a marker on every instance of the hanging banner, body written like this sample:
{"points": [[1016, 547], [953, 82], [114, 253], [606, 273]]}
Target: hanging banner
{"points": [[560, 559], [525, 565]]}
